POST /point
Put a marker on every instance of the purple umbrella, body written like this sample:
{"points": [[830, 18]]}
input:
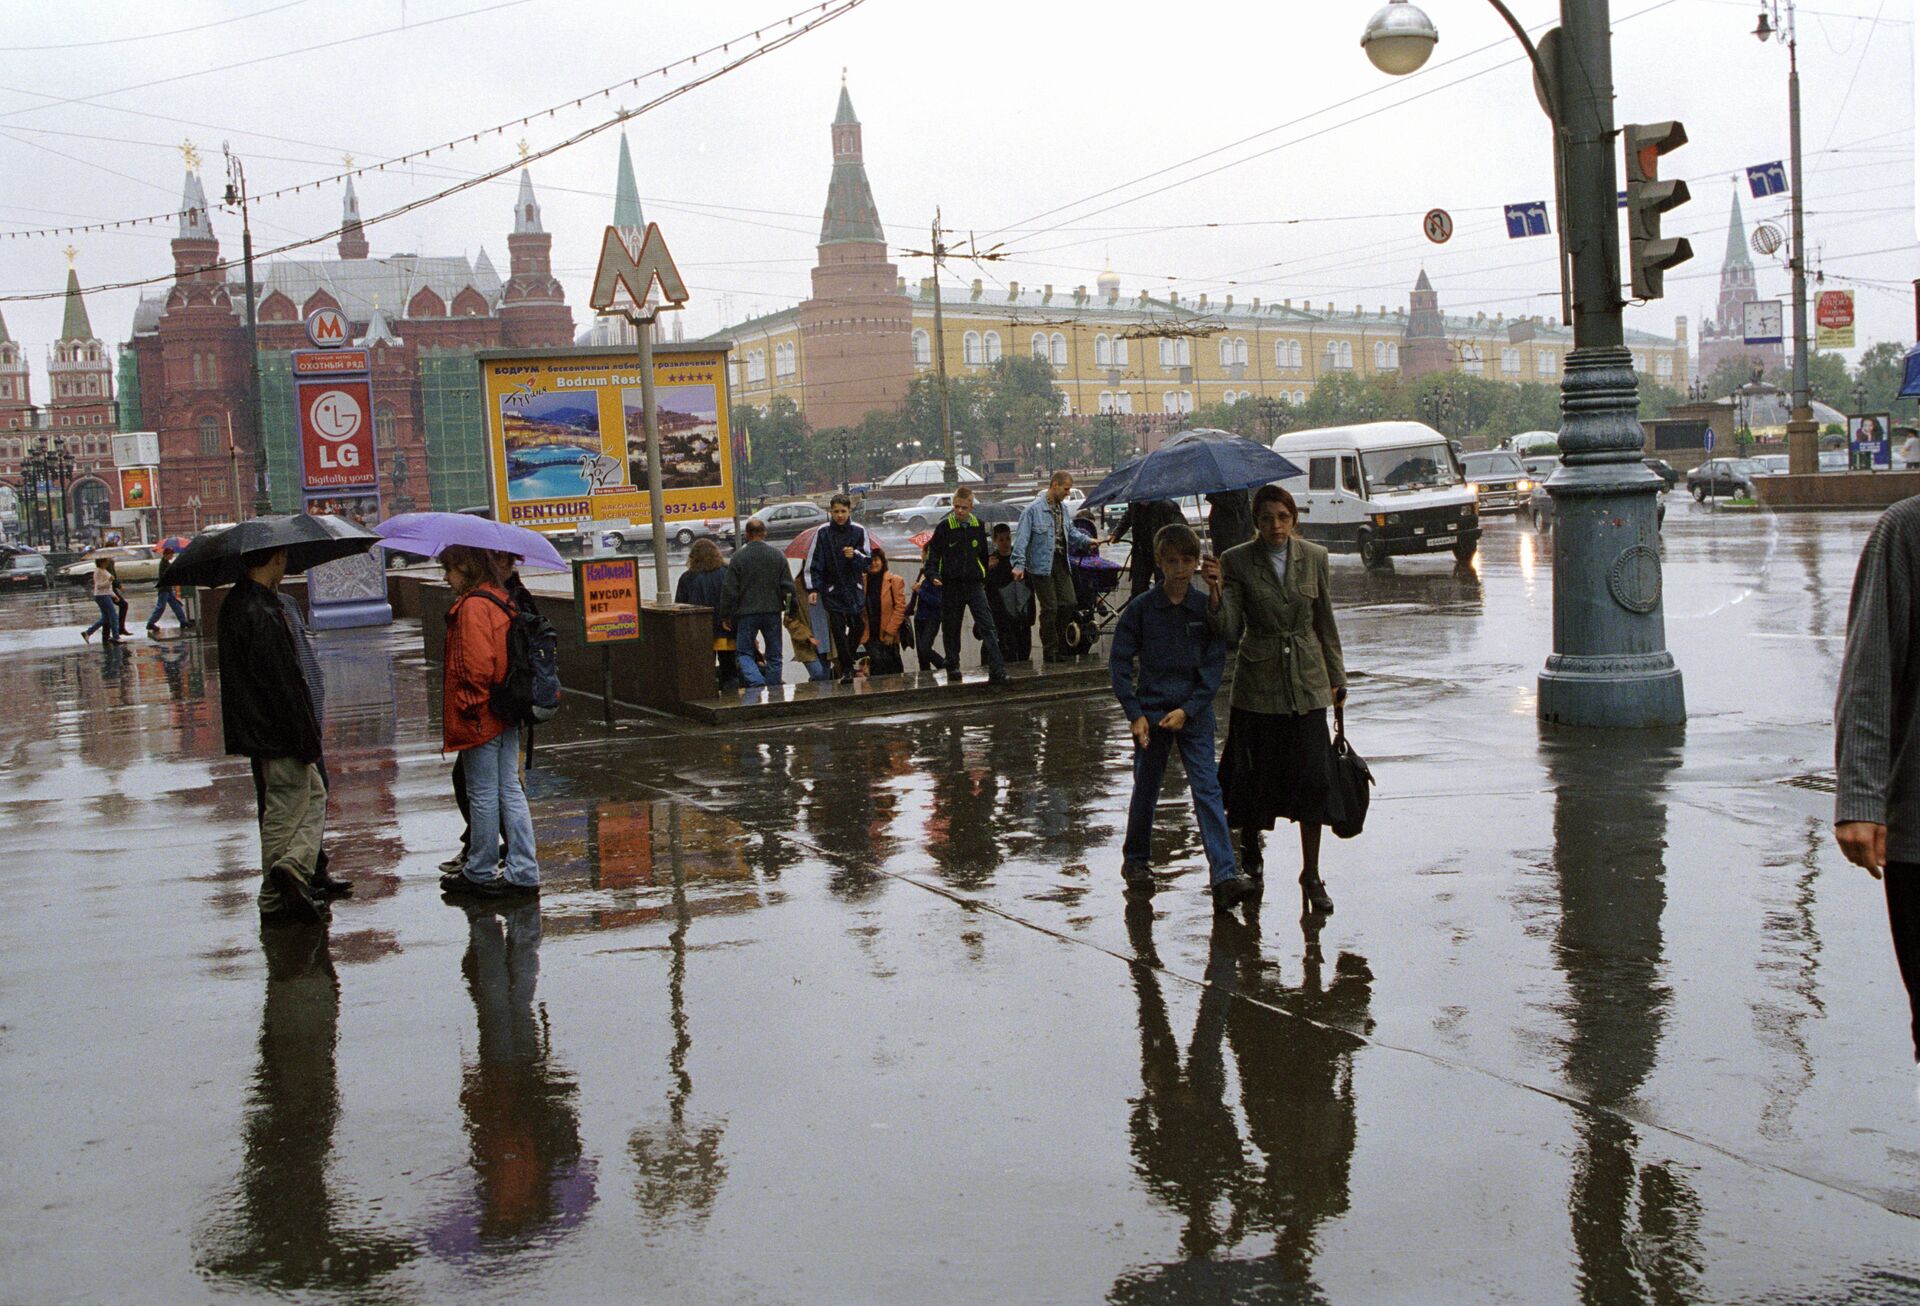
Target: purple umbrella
{"points": [[429, 532]]}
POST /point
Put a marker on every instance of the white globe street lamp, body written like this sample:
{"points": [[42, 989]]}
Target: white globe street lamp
{"points": [[1399, 38]]}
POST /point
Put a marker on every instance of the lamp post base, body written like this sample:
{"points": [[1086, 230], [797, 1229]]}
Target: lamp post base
{"points": [[1610, 666], [1631, 692]]}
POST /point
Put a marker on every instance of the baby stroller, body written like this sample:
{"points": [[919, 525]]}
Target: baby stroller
{"points": [[1094, 579]]}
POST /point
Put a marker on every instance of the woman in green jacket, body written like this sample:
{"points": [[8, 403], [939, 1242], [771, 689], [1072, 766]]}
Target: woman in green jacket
{"points": [[1271, 599]]}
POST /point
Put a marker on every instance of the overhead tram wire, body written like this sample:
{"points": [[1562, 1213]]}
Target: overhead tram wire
{"points": [[759, 33], [55, 102], [827, 13], [151, 36]]}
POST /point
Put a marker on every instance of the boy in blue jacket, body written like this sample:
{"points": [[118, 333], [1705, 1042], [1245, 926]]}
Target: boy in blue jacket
{"points": [[1169, 701]]}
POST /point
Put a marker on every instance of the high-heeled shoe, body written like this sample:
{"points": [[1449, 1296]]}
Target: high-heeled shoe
{"points": [[1313, 896]]}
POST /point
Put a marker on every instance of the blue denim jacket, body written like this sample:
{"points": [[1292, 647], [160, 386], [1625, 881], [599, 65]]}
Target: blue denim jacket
{"points": [[1181, 657]]}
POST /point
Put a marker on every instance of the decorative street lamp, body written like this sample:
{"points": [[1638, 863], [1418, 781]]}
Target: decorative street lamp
{"points": [[1610, 665], [1049, 427]]}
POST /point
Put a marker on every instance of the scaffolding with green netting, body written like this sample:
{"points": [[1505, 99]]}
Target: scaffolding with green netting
{"points": [[279, 421], [128, 385], [455, 428]]}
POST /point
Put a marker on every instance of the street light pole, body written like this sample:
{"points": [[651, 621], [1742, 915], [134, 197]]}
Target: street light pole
{"points": [[949, 474], [237, 195], [1610, 665], [1803, 434]]}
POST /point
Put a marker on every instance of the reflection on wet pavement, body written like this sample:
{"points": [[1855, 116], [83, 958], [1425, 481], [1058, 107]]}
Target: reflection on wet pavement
{"points": [[854, 1010]]}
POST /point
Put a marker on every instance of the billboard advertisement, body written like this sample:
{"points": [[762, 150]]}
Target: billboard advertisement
{"points": [[566, 435], [333, 402], [139, 487], [1833, 319]]}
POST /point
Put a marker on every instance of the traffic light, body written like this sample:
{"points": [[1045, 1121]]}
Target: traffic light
{"points": [[1647, 198]]}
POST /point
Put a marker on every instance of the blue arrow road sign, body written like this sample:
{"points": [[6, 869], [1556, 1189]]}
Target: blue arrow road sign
{"points": [[1766, 179], [1527, 219]]}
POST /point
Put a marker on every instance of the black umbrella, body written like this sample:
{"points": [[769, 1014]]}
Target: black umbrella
{"points": [[215, 557]]}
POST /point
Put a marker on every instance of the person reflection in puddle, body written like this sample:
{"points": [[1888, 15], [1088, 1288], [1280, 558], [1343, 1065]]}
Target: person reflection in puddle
{"points": [[1296, 1093], [282, 1229], [522, 1121]]}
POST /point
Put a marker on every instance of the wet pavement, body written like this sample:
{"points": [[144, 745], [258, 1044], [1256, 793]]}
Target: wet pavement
{"points": [[853, 1011]]}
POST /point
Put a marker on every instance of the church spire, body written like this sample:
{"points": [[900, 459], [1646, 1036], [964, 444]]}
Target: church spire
{"points": [[626, 197], [353, 237], [74, 325], [526, 209], [851, 217], [1737, 237]]}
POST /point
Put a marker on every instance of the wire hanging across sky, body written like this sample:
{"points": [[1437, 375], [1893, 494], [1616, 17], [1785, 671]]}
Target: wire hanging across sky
{"points": [[826, 13], [466, 138]]}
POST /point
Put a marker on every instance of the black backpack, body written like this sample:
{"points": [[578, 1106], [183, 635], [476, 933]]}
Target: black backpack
{"points": [[531, 692]]}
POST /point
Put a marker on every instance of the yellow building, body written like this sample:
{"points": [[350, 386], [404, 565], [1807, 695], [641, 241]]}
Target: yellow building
{"points": [[1134, 353]]}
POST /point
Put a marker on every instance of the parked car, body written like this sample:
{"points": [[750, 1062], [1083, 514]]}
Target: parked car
{"points": [[130, 562], [1728, 476], [786, 520], [21, 568], [1499, 479], [919, 515], [1772, 464], [1660, 467]]}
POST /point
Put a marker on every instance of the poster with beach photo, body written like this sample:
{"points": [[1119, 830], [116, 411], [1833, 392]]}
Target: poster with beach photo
{"points": [[690, 437], [566, 443]]}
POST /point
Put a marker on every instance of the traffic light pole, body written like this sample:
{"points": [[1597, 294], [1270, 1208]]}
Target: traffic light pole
{"points": [[1610, 666]]}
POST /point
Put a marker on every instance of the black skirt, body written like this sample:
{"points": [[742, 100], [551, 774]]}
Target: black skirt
{"points": [[1277, 767]]}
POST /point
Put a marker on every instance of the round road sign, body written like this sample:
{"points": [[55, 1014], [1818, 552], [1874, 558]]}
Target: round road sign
{"points": [[1438, 224]]}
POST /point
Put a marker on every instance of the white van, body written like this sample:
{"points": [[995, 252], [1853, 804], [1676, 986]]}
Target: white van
{"points": [[1382, 490]]}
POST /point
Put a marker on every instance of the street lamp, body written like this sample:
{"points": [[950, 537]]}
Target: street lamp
{"points": [[1610, 665], [1803, 438], [1049, 425]]}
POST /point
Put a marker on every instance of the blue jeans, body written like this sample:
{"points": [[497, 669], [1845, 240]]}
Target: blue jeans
{"points": [[1203, 778], [168, 599], [751, 630], [109, 619], [498, 804]]}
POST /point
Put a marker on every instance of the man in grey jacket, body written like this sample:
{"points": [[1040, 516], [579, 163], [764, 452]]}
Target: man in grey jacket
{"points": [[758, 588], [1877, 732]]}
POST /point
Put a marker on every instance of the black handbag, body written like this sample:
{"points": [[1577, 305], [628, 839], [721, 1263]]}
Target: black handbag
{"points": [[1352, 781]]}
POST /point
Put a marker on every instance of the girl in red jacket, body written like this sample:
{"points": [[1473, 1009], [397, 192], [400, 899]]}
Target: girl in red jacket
{"points": [[489, 745]]}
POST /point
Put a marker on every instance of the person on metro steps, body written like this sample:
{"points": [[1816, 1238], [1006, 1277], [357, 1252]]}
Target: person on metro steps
{"points": [[837, 565], [957, 563], [477, 661], [1272, 601]]}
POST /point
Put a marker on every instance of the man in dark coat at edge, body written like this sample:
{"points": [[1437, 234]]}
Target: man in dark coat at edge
{"points": [[1143, 521], [268, 717]]}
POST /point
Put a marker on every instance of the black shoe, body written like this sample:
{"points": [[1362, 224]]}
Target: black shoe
{"points": [[1231, 892], [1313, 897], [326, 886], [1138, 879], [298, 902], [459, 886], [1000, 678]]}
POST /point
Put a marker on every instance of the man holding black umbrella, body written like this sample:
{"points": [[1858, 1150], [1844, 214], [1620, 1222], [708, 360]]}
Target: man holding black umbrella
{"points": [[268, 715]]}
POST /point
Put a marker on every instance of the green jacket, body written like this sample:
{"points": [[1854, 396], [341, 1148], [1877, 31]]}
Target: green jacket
{"points": [[1289, 649]]}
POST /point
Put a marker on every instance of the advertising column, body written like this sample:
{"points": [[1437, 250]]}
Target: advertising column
{"points": [[333, 402]]}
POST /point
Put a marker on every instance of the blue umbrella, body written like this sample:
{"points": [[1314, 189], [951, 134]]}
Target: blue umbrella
{"points": [[1203, 461], [1910, 374], [430, 532]]}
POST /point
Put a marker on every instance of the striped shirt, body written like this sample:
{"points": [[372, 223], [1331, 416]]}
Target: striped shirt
{"points": [[1876, 744]]}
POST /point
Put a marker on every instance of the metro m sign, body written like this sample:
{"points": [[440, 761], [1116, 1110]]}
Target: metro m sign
{"points": [[624, 281], [336, 432]]}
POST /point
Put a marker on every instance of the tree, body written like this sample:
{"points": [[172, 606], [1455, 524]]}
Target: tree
{"points": [[1656, 400], [1019, 393], [1827, 379], [778, 449], [1878, 374]]}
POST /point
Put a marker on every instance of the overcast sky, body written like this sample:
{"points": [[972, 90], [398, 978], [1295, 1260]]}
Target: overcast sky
{"points": [[1010, 116]]}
